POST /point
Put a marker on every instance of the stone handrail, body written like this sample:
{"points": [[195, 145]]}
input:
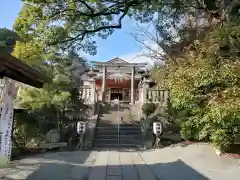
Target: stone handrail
{"points": [[85, 94], [157, 96]]}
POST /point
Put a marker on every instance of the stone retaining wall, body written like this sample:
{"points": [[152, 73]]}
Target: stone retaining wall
{"points": [[91, 126]]}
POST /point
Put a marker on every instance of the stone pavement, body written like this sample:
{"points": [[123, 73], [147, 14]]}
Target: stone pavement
{"points": [[194, 162]]}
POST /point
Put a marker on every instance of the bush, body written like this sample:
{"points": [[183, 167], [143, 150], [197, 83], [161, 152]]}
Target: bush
{"points": [[221, 139], [205, 87], [148, 108]]}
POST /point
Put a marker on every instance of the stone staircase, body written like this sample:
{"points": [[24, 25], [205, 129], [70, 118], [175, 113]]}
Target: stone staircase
{"points": [[114, 130]]}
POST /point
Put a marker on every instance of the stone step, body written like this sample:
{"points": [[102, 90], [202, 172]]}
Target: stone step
{"points": [[115, 141], [121, 136], [129, 133], [116, 146], [115, 131], [129, 124], [134, 129]]}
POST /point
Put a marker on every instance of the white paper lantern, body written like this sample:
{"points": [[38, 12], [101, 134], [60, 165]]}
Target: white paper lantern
{"points": [[81, 127], [157, 127]]}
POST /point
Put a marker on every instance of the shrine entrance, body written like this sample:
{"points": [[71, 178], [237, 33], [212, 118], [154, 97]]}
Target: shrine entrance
{"points": [[122, 94], [116, 93], [118, 79]]}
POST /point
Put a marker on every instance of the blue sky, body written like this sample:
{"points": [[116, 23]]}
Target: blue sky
{"points": [[119, 44]]}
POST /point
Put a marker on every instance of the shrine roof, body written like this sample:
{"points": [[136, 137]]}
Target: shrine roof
{"points": [[16, 69], [118, 75], [117, 62]]}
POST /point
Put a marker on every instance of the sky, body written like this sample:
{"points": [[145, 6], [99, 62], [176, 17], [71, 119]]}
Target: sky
{"points": [[120, 44]]}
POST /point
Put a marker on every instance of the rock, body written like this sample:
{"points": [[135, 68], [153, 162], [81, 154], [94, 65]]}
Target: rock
{"points": [[53, 136]]}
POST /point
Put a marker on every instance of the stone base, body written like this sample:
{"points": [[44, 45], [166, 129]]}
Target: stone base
{"points": [[4, 162], [52, 145]]}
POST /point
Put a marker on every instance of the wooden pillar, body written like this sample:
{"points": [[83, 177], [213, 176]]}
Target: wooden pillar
{"points": [[132, 86]]}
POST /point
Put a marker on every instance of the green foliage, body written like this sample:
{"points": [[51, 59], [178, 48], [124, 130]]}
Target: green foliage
{"points": [[205, 87], [75, 24], [222, 139], [8, 39], [48, 107], [31, 52], [148, 109]]}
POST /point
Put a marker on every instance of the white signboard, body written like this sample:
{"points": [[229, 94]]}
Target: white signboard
{"points": [[6, 120]]}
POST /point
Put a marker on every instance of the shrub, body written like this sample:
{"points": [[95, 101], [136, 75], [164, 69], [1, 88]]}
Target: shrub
{"points": [[205, 87], [148, 108]]}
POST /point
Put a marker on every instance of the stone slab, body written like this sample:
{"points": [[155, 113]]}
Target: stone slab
{"points": [[114, 170], [143, 170], [128, 169], [114, 167], [99, 169], [114, 178], [52, 145], [114, 158]]}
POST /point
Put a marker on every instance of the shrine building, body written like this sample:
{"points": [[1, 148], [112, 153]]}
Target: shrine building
{"points": [[117, 79]]}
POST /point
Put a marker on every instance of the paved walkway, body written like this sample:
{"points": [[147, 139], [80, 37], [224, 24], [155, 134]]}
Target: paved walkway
{"points": [[194, 162]]}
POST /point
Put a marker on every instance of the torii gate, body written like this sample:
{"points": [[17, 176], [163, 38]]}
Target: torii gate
{"points": [[13, 71]]}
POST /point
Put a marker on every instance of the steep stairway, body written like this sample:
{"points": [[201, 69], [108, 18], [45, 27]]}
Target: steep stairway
{"points": [[114, 130]]}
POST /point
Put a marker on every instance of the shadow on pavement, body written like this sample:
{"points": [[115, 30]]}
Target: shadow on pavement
{"points": [[59, 166], [62, 169], [176, 170]]}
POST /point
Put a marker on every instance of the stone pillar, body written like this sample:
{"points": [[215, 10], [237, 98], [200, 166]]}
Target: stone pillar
{"points": [[93, 91], [93, 96], [145, 86], [132, 86], [104, 74]]}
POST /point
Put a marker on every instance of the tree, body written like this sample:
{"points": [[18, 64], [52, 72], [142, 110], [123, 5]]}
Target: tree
{"points": [[79, 20], [31, 52], [204, 84], [48, 107], [74, 24], [8, 39], [200, 64]]}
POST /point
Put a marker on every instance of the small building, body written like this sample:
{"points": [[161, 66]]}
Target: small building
{"points": [[17, 70]]}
